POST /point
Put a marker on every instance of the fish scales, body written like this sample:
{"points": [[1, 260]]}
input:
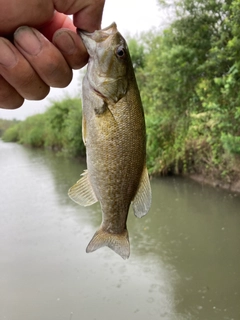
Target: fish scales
{"points": [[115, 139]]}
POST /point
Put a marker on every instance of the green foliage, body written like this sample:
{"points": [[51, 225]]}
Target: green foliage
{"points": [[11, 134], [5, 124], [136, 48], [190, 89], [231, 143], [59, 128], [31, 131], [73, 131]]}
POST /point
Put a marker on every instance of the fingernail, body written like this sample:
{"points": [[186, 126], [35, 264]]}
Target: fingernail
{"points": [[28, 39], [7, 55], [64, 42]]}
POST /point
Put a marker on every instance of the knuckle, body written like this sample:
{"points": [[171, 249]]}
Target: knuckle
{"points": [[77, 61], [10, 100], [32, 87], [9, 97], [58, 75]]}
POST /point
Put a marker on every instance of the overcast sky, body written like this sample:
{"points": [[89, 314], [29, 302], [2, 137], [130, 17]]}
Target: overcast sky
{"points": [[131, 16]]}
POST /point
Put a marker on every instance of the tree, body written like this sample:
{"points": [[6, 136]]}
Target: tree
{"points": [[190, 88]]}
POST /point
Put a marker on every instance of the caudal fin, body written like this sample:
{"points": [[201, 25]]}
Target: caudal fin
{"points": [[117, 242]]}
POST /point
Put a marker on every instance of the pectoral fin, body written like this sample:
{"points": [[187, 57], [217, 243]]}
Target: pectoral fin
{"points": [[143, 198], [82, 192]]}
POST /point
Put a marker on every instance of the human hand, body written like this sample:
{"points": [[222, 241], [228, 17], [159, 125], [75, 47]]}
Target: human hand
{"points": [[45, 47]]}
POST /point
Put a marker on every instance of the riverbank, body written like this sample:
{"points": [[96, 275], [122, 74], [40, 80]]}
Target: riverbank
{"points": [[233, 186], [59, 129], [217, 183]]}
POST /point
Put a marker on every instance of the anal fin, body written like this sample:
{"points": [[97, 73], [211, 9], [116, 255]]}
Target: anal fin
{"points": [[82, 192], [143, 198]]}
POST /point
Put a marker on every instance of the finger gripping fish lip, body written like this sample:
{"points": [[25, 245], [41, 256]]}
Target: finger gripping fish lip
{"points": [[111, 29]]}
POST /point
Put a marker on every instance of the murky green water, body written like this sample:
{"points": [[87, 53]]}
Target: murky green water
{"points": [[184, 263]]}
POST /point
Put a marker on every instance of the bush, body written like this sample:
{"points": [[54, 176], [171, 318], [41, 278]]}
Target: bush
{"points": [[11, 134], [59, 128]]}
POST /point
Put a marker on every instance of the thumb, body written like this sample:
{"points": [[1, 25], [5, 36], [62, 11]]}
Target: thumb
{"points": [[87, 14]]}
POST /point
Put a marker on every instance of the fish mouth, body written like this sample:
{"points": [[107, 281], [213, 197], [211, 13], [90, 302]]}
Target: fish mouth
{"points": [[98, 35]]}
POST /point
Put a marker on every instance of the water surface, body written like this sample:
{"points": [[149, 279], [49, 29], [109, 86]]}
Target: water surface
{"points": [[184, 263]]}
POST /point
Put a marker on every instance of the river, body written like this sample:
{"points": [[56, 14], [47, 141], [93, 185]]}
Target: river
{"points": [[184, 262]]}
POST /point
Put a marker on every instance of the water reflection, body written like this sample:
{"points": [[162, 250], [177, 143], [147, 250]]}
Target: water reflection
{"points": [[184, 261]]}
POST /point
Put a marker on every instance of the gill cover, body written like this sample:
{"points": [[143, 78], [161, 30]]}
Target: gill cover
{"points": [[108, 62]]}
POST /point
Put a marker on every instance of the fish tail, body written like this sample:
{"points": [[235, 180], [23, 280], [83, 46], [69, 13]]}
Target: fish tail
{"points": [[117, 242]]}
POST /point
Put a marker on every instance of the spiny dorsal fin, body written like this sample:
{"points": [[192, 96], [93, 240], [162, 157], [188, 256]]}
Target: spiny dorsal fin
{"points": [[117, 242], [142, 200], [82, 192]]}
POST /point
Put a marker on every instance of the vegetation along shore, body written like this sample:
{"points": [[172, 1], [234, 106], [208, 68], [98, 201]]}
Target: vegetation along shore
{"points": [[189, 79]]}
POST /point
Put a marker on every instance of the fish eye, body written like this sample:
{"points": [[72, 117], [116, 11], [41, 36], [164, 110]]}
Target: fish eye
{"points": [[120, 52]]}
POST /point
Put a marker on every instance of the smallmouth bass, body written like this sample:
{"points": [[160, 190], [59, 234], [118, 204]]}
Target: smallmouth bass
{"points": [[113, 130]]}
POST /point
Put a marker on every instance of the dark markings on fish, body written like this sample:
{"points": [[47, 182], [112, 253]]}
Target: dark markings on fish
{"points": [[102, 109]]}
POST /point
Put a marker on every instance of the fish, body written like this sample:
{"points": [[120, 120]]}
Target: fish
{"points": [[114, 133]]}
